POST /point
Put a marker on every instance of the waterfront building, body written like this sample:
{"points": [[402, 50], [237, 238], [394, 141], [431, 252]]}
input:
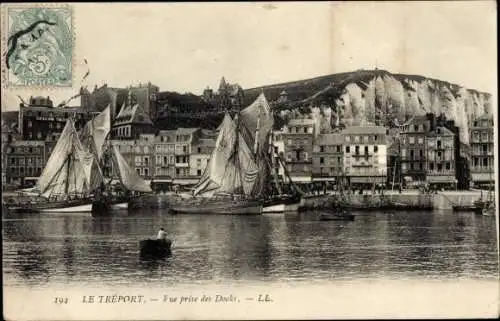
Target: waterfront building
{"points": [[184, 138], [328, 157], [440, 148], [164, 149], [131, 121], [138, 154], [40, 120], [482, 151], [199, 158], [413, 149], [278, 152], [298, 137], [365, 155], [25, 162]]}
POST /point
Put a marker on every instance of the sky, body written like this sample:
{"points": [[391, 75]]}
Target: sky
{"points": [[186, 47]]}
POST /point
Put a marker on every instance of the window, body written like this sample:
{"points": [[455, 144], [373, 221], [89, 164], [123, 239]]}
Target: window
{"points": [[21, 161], [412, 140], [485, 162], [375, 138], [366, 149], [411, 154], [348, 138], [339, 160], [30, 135], [431, 165], [439, 154], [484, 137], [146, 150], [476, 161], [357, 150], [438, 144], [322, 149], [146, 172], [198, 172], [475, 135], [356, 139], [411, 166], [321, 160], [158, 148], [448, 166], [421, 152], [305, 130], [375, 148], [420, 140], [347, 149], [338, 149], [177, 171], [30, 124], [138, 160], [403, 152], [420, 166], [415, 128], [137, 150], [158, 171]]}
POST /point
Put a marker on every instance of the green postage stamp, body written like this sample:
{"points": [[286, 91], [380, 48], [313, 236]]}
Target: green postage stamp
{"points": [[38, 46]]}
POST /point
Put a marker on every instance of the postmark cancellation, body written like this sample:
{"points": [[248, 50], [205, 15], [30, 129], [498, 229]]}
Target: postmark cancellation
{"points": [[37, 45]]}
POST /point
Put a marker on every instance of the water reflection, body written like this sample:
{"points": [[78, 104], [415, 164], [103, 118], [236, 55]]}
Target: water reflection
{"points": [[64, 249]]}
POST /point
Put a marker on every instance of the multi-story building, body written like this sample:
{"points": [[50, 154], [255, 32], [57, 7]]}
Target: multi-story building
{"points": [[131, 121], [184, 137], [440, 148], [40, 120], [412, 148], [278, 152], [482, 151], [199, 158], [365, 155], [138, 154], [298, 137], [165, 157], [25, 162], [328, 157]]}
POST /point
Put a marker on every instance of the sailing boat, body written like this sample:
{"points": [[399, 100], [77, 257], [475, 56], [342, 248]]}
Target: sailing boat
{"points": [[235, 180], [95, 138], [69, 180]]}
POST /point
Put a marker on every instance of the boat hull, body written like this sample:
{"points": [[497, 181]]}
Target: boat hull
{"points": [[72, 206], [219, 207], [155, 249], [280, 208]]}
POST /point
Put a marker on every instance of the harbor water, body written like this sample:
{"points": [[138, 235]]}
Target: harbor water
{"points": [[42, 250]]}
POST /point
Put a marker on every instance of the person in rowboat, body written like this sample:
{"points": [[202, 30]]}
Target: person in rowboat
{"points": [[162, 235]]}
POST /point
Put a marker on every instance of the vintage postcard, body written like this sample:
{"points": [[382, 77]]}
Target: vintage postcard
{"points": [[258, 160]]}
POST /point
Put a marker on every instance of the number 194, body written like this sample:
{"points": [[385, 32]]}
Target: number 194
{"points": [[60, 300]]}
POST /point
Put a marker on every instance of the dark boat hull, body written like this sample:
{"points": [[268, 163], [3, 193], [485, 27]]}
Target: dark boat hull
{"points": [[226, 207], [151, 249], [83, 205]]}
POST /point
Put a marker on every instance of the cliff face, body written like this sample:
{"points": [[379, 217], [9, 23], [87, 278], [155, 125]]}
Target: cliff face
{"points": [[377, 96]]}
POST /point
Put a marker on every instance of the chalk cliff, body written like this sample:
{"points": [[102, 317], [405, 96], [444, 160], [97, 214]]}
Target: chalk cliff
{"points": [[376, 96]]}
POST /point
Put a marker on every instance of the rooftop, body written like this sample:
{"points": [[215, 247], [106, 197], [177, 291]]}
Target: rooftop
{"points": [[443, 131], [300, 121]]}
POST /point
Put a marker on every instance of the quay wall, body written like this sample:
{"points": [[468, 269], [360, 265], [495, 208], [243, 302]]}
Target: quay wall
{"points": [[440, 201]]}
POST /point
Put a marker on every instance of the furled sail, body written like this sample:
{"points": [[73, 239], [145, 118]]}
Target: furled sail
{"points": [[232, 168], [69, 167], [128, 177]]}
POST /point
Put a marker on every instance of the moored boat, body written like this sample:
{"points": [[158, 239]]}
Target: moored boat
{"points": [[220, 206], [69, 181]]}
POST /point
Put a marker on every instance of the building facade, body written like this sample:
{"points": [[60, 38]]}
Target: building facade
{"points": [[440, 148], [298, 138], [201, 152], [40, 120], [365, 155], [25, 162], [132, 121], [413, 149], [482, 148], [328, 157]]}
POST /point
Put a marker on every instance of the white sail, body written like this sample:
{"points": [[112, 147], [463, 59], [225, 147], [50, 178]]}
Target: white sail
{"points": [[93, 135], [232, 168], [128, 177], [69, 167], [256, 123]]}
